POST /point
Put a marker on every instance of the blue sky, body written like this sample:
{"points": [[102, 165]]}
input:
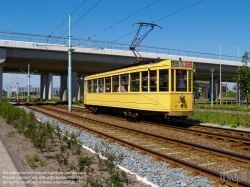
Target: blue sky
{"points": [[198, 28]]}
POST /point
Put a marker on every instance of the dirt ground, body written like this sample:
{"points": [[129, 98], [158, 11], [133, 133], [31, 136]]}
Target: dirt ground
{"points": [[48, 172]]}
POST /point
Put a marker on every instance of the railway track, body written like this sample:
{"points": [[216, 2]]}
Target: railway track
{"points": [[224, 141], [236, 141], [207, 161], [232, 135], [214, 129]]}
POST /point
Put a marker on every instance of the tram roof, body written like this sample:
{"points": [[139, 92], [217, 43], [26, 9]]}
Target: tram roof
{"points": [[131, 67]]}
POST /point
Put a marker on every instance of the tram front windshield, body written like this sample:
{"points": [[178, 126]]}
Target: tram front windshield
{"points": [[181, 80]]}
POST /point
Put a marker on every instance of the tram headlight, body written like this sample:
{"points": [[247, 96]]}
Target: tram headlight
{"points": [[182, 100], [182, 97]]}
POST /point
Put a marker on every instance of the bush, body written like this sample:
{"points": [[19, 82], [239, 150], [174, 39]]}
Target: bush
{"points": [[33, 160], [9, 112]]}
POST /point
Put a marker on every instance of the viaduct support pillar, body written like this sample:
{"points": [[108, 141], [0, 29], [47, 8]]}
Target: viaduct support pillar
{"points": [[206, 91], [74, 85], [1, 82], [215, 89], [80, 88], [2, 60], [63, 87], [43, 86], [49, 86]]}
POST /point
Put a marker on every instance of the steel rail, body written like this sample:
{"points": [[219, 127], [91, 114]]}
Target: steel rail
{"points": [[219, 152], [233, 131], [238, 139]]}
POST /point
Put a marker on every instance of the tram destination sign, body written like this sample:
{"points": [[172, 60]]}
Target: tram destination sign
{"points": [[182, 64]]}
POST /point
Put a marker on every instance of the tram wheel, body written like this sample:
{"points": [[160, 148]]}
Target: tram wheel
{"points": [[129, 118]]}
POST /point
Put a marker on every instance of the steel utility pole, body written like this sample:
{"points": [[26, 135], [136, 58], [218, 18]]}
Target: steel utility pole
{"points": [[69, 71], [28, 94]]}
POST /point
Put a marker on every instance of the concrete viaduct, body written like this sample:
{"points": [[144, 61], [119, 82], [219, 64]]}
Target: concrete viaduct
{"points": [[52, 59]]}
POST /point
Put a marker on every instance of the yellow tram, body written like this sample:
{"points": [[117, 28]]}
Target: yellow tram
{"points": [[152, 89]]}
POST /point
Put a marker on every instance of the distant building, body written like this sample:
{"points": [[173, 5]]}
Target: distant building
{"points": [[202, 85], [35, 90], [56, 90], [24, 90]]}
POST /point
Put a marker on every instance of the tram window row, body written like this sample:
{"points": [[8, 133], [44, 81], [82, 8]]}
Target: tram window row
{"points": [[144, 81]]}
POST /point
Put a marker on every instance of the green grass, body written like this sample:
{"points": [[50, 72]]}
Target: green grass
{"points": [[233, 119], [10, 134], [78, 103], [55, 101], [230, 107]]}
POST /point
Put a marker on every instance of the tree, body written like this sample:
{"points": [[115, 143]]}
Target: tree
{"points": [[243, 76], [245, 57], [195, 83], [234, 87], [4, 92]]}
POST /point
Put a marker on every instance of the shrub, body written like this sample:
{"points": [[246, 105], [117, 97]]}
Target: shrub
{"points": [[33, 160]]}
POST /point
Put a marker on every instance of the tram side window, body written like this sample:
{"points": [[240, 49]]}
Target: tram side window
{"points": [[153, 81], [107, 84], [144, 81], [163, 80], [135, 82], [181, 80], [115, 83], [123, 83], [100, 86], [89, 84], [95, 85]]}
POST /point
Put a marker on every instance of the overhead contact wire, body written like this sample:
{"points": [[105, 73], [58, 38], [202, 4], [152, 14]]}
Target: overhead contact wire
{"points": [[68, 18], [125, 18], [151, 17], [178, 11], [86, 13], [166, 16]]}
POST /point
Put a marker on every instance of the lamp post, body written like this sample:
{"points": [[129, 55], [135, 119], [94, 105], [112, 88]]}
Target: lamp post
{"points": [[212, 86]]}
